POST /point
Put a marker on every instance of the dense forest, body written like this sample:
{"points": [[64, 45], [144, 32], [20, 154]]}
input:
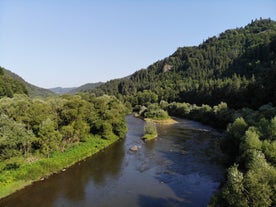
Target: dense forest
{"points": [[227, 82], [236, 67]]}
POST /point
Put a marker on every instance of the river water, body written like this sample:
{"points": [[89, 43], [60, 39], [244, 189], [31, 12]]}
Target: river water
{"points": [[180, 168]]}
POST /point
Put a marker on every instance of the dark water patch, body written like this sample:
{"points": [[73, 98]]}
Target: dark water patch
{"points": [[146, 201]]}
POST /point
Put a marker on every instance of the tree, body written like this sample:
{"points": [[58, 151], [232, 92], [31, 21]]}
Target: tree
{"points": [[233, 191], [251, 140], [146, 97], [272, 129], [49, 137], [15, 140], [259, 180], [233, 138], [269, 149], [150, 128]]}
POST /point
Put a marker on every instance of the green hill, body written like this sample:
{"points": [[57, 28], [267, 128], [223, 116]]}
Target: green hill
{"points": [[238, 67], [9, 86], [19, 85]]}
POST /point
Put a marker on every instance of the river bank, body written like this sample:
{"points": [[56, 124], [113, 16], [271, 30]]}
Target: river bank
{"points": [[16, 179]]}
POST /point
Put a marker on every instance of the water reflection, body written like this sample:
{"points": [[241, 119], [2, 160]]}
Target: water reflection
{"points": [[107, 164]]}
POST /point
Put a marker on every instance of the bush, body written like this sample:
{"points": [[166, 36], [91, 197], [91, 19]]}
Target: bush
{"points": [[155, 112], [150, 130]]}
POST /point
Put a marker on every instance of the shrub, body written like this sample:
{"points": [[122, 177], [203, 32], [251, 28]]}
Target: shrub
{"points": [[150, 130]]}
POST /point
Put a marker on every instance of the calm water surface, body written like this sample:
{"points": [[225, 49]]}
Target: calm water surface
{"points": [[180, 168]]}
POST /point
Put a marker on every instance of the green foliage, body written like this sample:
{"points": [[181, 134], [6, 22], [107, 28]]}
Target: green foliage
{"points": [[254, 149], [233, 191], [10, 86], [33, 131], [251, 140], [234, 137], [49, 137], [15, 140], [155, 112], [218, 116], [109, 118], [146, 97], [269, 149], [255, 187], [150, 130]]}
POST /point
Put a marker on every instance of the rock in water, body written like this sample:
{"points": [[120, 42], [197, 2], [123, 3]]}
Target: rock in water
{"points": [[134, 148]]}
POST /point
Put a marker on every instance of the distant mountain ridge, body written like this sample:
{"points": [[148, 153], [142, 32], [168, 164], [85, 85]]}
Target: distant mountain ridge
{"points": [[72, 90], [86, 87], [61, 90]]}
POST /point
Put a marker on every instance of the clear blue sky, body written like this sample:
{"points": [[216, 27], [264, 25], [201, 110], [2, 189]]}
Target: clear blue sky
{"points": [[69, 43]]}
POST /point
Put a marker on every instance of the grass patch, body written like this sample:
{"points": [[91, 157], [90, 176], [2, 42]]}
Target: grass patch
{"points": [[16, 179]]}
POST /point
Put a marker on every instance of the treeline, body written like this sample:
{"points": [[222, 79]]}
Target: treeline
{"points": [[34, 128], [218, 116], [237, 67], [10, 86]]}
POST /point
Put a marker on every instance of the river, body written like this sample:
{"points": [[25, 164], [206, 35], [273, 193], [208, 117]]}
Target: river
{"points": [[181, 168]]}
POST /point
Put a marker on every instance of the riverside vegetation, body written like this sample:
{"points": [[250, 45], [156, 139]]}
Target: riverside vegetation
{"points": [[40, 137], [228, 82], [150, 130], [152, 114]]}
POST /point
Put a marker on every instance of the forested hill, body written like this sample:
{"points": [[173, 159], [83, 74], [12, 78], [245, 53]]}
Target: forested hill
{"points": [[238, 67], [9, 86], [11, 83]]}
